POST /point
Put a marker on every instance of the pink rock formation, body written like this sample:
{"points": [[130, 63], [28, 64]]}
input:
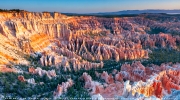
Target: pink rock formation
{"points": [[40, 72], [75, 42], [89, 38], [165, 78], [170, 81], [4, 68], [63, 61], [119, 77], [135, 72], [32, 70], [97, 88], [108, 78], [80, 37], [62, 88], [22, 79], [155, 81], [58, 91], [92, 50]]}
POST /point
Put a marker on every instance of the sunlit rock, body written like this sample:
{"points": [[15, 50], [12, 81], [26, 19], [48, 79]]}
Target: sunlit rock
{"points": [[62, 88]]}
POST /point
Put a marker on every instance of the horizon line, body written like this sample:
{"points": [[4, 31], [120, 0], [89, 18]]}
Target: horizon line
{"points": [[89, 12]]}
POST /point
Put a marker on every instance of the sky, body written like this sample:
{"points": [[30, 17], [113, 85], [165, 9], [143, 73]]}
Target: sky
{"points": [[88, 6]]}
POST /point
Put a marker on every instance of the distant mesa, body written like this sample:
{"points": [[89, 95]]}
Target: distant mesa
{"points": [[152, 11]]}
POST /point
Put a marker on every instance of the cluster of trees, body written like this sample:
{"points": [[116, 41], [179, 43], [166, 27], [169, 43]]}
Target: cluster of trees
{"points": [[161, 17], [93, 35], [159, 56], [102, 15], [11, 10], [11, 85], [156, 31]]}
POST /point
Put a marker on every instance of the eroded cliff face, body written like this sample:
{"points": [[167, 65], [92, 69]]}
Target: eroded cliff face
{"points": [[25, 32], [90, 38], [75, 43]]}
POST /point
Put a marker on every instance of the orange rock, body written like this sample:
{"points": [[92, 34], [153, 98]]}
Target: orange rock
{"points": [[21, 78], [62, 88], [32, 70], [58, 91], [5, 69], [119, 77], [158, 90]]}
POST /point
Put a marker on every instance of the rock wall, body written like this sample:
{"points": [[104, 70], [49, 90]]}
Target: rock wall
{"points": [[89, 38]]}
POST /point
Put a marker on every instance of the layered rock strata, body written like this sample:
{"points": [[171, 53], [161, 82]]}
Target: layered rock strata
{"points": [[91, 38]]}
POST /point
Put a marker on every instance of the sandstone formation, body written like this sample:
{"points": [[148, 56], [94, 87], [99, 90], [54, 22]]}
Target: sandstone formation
{"points": [[89, 38], [106, 90], [50, 74], [108, 78], [10, 53], [4, 68], [53, 59], [158, 80], [22, 79], [155, 82], [62, 88], [73, 43]]}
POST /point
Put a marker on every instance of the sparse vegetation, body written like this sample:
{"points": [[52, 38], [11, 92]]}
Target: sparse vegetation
{"points": [[156, 31], [93, 35]]}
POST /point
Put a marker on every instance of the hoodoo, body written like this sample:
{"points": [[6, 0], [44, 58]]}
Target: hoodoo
{"points": [[53, 55]]}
